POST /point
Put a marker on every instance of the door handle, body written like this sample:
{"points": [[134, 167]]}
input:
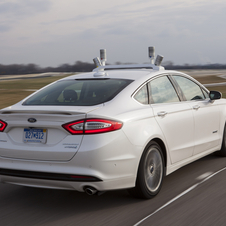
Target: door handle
{"points": [[161, 113], [196, 107]]}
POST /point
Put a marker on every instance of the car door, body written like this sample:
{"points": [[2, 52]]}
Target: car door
{"points": [[174, 117], [206, 115]]}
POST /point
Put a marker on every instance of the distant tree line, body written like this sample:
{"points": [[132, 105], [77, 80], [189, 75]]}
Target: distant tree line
{"points": [[18, 69], [79, 66], [198, 67]]}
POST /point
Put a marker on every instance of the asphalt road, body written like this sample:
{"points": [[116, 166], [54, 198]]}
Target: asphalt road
{"points": [[204, 205]]}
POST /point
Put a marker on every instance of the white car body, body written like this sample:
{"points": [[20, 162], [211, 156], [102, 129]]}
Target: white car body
{"points": [[185, 130]]}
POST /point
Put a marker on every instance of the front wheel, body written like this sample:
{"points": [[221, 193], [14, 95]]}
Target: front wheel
{"points": [[150, 173]]}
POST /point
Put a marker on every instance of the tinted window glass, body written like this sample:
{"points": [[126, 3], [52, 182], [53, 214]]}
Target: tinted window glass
{"points": [[142, 95], [191, 90], [162, 91], [85, 92]]}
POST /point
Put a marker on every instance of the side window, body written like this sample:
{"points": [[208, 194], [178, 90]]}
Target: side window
{"points": [[142, 95], [161, 90], [191, 90]]}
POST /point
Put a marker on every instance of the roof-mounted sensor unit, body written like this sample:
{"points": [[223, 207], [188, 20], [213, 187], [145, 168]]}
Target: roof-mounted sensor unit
{"points": [[97, 62], [100, 63], [103, 56], [151, 53], [158, 60]]}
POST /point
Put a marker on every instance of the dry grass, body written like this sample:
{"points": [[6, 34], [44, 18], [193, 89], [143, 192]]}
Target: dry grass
{"points": [[210, 79], [34, 83], [12, 91], [10, 97]]}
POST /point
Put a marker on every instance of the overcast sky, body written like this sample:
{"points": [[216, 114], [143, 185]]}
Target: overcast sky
{"points": [[54, 32]]}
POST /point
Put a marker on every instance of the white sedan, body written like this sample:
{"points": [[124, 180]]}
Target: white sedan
{"points": [[123, 128]]}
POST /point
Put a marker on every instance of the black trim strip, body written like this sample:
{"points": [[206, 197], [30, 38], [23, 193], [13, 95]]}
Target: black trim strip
{"points": [[48, 176]]}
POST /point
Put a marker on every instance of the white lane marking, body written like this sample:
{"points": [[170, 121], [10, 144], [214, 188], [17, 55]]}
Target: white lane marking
{"points": [[180, 195], [204, 175]]}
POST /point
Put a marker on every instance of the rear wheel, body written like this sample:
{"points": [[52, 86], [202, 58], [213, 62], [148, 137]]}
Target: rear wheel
{"points": [[150, 173]]}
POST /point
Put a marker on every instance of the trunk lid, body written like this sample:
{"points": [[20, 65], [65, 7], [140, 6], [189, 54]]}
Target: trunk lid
{"points": [[59, 144]]}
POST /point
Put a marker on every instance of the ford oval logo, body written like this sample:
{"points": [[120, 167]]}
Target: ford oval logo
{"points": [[31, 120]]}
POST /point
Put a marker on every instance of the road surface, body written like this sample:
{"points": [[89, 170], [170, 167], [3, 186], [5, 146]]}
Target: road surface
{"points": [[204, 205]]}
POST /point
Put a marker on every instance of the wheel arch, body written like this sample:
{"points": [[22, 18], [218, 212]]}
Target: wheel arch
{"points": [[163, 147]]}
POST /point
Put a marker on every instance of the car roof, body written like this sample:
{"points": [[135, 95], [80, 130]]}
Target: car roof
{"points": [[138, 75], [133, 74], [120, 74]]}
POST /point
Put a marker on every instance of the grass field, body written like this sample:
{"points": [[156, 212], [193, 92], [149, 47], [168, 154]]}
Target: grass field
{"points": [[12, 91], [213, 79]]}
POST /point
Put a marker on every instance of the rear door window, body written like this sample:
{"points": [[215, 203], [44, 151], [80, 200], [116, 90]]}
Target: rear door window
{"points": [[161, 90]]}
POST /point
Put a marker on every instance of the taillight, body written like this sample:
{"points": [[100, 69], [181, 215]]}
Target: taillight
{"points": [[74, 127], [92, 126], [2, 125], [101, 126]]}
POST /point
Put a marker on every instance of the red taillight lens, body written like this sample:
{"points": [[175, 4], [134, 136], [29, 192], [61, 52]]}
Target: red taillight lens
{"points": [[92, 126], [74, 127], [2, 125]]}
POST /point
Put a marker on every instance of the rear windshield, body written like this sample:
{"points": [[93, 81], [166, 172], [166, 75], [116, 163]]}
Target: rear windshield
{"points": [[79, 92]]}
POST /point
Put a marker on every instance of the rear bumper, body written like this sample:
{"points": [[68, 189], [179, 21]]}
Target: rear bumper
{"points": [[73, 178], [48, 176], [107, 164], [119, 183]]}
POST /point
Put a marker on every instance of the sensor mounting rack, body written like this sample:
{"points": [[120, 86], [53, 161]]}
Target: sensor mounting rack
{"points": [[101, 67]]}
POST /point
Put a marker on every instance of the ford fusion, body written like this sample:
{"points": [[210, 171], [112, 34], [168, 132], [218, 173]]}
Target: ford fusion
{"points": [[117, 127]]}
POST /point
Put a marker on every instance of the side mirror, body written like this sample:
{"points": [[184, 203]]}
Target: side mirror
{"points": [[215, 95]]}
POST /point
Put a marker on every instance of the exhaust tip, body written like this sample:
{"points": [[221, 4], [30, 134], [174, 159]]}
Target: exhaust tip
{"points": [[90, 190]]}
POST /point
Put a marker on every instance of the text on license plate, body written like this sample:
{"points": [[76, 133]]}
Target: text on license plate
{"points": [[34, 136]]}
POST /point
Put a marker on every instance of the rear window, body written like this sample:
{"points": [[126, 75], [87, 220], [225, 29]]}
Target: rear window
{"points": [[79, 92]]}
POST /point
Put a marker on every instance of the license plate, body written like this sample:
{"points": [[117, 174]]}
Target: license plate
{"points": [[34, 136]]}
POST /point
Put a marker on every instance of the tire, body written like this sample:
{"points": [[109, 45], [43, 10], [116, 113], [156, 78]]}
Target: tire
{"points": [[222, 152], [150, 173]]}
